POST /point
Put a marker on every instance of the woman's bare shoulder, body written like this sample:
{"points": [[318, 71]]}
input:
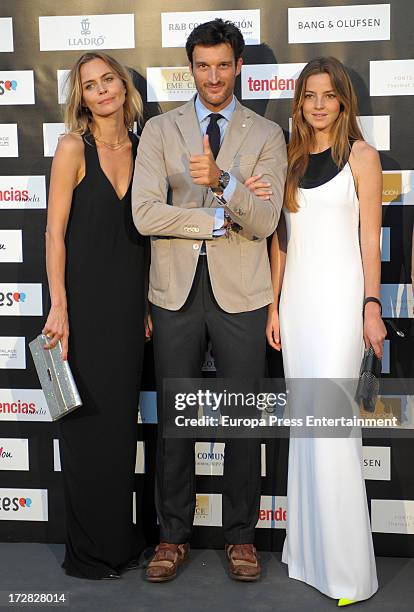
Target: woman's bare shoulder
{"points": [[363, 152], [70, 145]]}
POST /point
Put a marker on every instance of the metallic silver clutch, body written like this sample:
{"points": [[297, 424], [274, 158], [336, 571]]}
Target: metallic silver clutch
{"points": [[55, 377]]}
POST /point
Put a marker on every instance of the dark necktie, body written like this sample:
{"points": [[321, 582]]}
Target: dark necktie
{"points": [[213, 132]]}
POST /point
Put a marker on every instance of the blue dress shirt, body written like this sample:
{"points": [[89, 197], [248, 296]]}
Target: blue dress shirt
{"points": [[203, 118]]}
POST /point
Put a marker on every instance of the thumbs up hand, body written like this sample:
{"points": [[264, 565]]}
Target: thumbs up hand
{"points": [[206, 146], [203, 168]]}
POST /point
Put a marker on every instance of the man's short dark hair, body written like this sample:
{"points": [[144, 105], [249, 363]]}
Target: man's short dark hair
{"points": [[214, 33]]}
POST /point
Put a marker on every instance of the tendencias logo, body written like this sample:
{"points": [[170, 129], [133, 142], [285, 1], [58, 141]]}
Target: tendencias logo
{"points": [[23, 505], [23, 405], [14, 195], [272, 512], [263, 81], [17, 407], [22, 192], [273, 84], [115, 31]]}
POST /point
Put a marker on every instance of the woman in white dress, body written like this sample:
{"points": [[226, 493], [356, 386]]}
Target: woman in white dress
{"points": [[325, 264]]}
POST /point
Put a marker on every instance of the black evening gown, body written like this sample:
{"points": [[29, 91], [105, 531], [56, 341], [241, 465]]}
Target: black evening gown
{"points": [[105, 293]]}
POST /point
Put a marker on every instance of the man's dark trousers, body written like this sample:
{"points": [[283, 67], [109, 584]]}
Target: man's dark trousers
{"points": [[239, 347]]}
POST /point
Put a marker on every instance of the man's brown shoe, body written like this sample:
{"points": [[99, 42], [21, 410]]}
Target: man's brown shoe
{"points": [[164, 564], [243, 562]]}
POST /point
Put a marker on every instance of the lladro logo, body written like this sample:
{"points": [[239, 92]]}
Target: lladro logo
{"points": [[83, 32], [85, 27]]}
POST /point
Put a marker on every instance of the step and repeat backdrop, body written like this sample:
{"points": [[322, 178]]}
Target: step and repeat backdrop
{"points": [[39, 41]]}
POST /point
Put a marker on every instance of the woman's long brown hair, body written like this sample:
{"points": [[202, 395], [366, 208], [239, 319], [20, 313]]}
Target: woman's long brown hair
{"points": [[346, 127]]}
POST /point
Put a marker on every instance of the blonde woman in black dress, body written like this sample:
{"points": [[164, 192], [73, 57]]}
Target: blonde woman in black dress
{"points": [[95, 260]]}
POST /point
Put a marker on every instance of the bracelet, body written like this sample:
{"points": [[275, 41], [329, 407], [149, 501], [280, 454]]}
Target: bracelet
{"points": [[372, 299]]}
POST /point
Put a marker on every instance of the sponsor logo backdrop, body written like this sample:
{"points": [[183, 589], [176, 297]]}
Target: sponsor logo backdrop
{"points": [[374, 40]]}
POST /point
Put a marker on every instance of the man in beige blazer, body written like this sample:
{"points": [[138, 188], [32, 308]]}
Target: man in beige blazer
{"points": [[209, 276]]}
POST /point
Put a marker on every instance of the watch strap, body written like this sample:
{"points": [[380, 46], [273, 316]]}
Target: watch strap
{"points": [[372, 299]]}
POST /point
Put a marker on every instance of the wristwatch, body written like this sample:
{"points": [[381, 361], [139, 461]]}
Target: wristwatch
{"points": [[223, 181]]}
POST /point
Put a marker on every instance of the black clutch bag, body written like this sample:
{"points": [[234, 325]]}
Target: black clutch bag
{"points": [[369, 377]]}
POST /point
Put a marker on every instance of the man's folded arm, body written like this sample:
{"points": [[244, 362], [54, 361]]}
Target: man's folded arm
{"points": [[151, 213], [260, 217]]}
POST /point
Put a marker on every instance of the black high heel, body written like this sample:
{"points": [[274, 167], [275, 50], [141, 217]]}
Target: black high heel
{"points": [[132, 565]]}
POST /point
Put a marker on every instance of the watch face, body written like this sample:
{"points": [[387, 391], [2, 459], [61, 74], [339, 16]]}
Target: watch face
{"points": [[224, 179]]}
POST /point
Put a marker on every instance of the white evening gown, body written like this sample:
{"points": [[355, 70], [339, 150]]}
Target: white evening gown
{"points": [[328, 538]]}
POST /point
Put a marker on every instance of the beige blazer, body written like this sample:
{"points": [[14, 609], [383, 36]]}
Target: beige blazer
{"points": [[179, 215]]}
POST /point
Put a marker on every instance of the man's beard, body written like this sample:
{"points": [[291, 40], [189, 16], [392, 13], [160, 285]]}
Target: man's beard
{"points": [[217, 101]]}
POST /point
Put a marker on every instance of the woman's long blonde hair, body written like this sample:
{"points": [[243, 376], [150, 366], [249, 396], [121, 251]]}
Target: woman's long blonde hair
{"points": [[78, 118], [302, 138]]}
